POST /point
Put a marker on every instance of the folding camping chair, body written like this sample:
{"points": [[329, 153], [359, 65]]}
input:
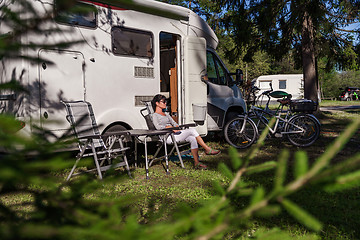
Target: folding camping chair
{"points": [[147, 114], [81, 117]]}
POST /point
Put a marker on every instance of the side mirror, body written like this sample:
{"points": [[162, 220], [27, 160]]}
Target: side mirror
{"points": [[239, 77]]}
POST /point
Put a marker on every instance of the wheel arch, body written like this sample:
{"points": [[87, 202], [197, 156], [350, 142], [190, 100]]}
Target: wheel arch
{"points": [[232, 112], [117, 123]]}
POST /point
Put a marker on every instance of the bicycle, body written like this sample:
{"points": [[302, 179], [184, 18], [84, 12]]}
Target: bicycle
{"points": [[301, 128]]}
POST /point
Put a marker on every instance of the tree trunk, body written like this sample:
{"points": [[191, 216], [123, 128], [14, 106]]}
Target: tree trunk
{"points": [[308, 59]]}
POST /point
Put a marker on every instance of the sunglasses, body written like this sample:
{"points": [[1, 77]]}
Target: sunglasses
{"points": [[163, 101]]}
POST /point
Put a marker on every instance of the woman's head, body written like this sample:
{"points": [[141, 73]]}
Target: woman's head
{"points": [[156, 99]]}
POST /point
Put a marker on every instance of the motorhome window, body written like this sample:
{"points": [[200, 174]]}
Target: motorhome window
{"points": [[215, 70], [282, 84], [265, 85], [80, 14], [211, 69], [222, 73], [131, 42]]}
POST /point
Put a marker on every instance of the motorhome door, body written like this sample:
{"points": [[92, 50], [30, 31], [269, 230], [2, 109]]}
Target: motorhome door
{"points": [[194, 96], [61, 80]]}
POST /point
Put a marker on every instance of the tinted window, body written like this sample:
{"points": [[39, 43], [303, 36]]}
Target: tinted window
{"points": [[215, 70], [80, 14], [222, 73], [282, 84], [211, 69], [131, 42]]}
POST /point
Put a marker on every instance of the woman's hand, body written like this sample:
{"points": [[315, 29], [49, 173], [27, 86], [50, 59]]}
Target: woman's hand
{"points": [[175, 130]]}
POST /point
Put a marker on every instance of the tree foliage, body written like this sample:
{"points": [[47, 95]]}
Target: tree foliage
{"points": [[313, 28], [309, 29]]}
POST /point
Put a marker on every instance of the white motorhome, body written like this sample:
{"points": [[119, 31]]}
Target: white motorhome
{"points": [[290, 83], [129, 52]]}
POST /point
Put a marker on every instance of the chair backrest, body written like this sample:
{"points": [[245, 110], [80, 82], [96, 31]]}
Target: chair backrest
{"points": [[147, 114], [81, 117]]}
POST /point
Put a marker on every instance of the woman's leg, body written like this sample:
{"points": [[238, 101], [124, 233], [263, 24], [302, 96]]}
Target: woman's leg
{"points": [[195, 153], [202, 143], [192, 136], [188, 135]]}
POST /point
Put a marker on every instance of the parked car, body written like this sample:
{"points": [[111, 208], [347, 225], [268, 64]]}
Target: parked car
{"points": [[350, 93]]}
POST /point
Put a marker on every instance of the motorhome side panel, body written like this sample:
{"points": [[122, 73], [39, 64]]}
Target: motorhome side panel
{"points": [[113, 82], [135, 78]]}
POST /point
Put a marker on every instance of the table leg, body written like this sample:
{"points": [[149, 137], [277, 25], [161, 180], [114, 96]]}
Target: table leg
{"points": [[146, 160], [166, 158], [136, 148]]}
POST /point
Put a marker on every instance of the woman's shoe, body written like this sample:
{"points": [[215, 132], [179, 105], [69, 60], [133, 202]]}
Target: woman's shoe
{"points": [[201, 166], [213, 152]]}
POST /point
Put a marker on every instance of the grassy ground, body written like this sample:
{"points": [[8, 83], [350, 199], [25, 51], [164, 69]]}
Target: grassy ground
{"points": [[339, 212], [325, 103]]}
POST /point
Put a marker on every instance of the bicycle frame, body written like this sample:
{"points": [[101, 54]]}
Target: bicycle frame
{"points": [[301, 129], [278, 117]]}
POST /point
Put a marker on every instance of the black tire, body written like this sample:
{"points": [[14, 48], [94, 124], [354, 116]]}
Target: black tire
{"points": [[118, 128], [229, 117], [311, 128], [237, 139], [127, 141]]}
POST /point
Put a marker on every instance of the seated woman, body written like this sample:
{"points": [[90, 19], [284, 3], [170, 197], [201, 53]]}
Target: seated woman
{"points": [[164, 120]]}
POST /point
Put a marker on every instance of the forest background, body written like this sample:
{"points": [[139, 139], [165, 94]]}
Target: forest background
{"points": [[336, 38]]}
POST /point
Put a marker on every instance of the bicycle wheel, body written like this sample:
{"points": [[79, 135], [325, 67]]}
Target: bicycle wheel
{"points": [[239, 135], [305, 128]]}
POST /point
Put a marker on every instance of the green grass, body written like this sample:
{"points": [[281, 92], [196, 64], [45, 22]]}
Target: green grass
{"points": [[326, 103], [163, 193]]}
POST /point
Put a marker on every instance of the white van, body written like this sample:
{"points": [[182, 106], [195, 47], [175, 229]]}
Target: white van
{"points": [[290, 83], [126, 55]]}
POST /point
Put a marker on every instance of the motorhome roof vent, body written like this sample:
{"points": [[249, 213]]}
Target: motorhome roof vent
{"points": [[144, 72]]}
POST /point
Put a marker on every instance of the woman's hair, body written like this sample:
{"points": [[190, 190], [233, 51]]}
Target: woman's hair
{"points": [[157, 98]]}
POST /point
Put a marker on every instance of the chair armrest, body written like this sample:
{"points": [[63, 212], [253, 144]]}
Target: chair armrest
{"points": [[90, 137], [117, 133], [97, 136], [183, 126]]}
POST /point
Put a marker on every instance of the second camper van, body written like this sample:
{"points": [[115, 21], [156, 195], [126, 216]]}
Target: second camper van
{"points": [[290, 83]]}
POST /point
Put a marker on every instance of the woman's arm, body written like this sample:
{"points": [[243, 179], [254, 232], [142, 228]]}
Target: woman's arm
{"points": [[171, 120]]}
